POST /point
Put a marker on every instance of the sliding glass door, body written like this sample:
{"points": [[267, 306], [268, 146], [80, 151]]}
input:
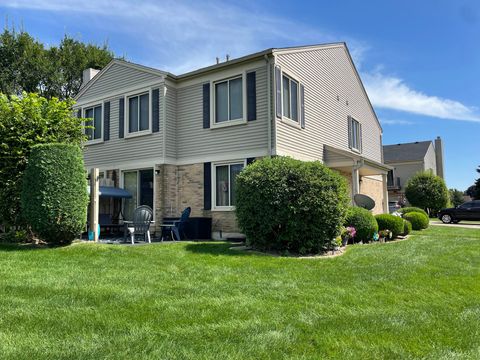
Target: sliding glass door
{"points": [[140, 184]]}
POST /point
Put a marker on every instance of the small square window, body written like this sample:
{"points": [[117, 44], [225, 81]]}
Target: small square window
{"points": [[229, 100], [355, 134], [290, 98], [95, 114], [139, 113], [224, 183]]}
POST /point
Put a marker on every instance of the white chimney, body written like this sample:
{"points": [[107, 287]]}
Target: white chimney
{"points": [[88, 74]]}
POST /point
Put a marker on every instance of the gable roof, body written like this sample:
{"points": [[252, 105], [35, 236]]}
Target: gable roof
{"points": [[415, 151], [121, 63], [260, 54]]}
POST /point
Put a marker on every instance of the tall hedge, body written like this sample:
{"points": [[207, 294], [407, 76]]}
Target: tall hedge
{"points": [[54, 194], [284, 204], [364, 223], [427, 191], [25, 121]]}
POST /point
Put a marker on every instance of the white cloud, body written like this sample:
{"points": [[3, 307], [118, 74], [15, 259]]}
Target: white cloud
{"points": [[395, 122], [392, 93], [185, 35]]}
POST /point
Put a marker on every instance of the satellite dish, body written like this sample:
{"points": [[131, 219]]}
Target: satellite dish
{"points": [[364, 201]]}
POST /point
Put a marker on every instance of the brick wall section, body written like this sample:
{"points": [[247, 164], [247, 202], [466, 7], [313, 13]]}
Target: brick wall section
{"points": [[180, 186], [373, 187]]}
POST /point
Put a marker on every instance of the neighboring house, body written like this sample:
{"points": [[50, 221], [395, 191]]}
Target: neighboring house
{"points": [[177, 141], [407, 160]]}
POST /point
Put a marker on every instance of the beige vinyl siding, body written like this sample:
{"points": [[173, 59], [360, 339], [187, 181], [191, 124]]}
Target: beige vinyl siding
{"points": [[195, 141], [326, 74], [117, 78], [118, 151], [430, 161], [171, 122]]}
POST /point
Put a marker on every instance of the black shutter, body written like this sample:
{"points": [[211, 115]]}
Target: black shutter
{"points": [[349, 132], [278, 92], [79, 113], [302, 105], [106, 121], [360, 145], [155, 110], [250, 160], [206, 106], [207, 186], [121, 117], [251, 96]]}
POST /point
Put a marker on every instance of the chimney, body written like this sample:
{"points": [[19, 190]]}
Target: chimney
{"points": [[88, 74], [439, 157]]}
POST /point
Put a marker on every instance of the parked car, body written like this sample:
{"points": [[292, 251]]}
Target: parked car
{"points": [[467, 211]]}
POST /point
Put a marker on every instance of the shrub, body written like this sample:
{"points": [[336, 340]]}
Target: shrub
{"points": [[427, 191], [54, 195], [390, 222], [284, 204], [419, 221], [410, 209], [25, 121], [363, 221], [407, 227]]}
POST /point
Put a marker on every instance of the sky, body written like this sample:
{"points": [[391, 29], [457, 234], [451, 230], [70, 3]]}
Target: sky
{"points": [[419, 60]]}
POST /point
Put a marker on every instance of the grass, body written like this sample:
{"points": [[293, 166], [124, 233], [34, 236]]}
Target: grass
{"points": [[417, 298]]}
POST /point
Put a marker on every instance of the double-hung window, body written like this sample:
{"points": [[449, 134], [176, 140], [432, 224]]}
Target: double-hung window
{"points": [[95, 114], [290, 98], [138, 113], [228, 100], [224, 184], [355, 134]]}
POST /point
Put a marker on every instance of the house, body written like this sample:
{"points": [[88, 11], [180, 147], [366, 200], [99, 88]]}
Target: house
{"points": [[180, 140], [408, 159]]}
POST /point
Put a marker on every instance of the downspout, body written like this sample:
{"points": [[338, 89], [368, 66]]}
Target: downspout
{"points": [[269, 105]]}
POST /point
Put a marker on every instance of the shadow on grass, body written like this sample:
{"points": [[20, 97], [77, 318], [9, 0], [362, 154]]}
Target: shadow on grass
{"points": [[217, 248], [4, 247]]}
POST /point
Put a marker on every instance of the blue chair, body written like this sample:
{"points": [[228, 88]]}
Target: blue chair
{"points": [[178, 228]]}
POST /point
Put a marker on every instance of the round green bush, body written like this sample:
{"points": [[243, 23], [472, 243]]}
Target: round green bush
{"points": [[390, 222], [284, 204], [410, 209], [419, 221], [427, 191], [364, 223], [407, 227], [54, 194]]}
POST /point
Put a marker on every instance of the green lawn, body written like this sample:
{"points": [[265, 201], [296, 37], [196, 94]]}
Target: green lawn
{"points": [[418, 298]]}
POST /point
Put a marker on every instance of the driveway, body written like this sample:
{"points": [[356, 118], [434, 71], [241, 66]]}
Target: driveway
{"points": [[466, 225]]}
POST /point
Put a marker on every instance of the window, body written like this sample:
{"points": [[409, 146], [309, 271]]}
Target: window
{"points": [[290, 98], [224, 183], [229, 100], [94, 113], [138, 113], [140, 184], [355, 134]]}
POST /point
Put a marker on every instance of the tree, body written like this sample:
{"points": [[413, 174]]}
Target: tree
{"points": [[476, 193], [26, 65], [24, 122], [456, 197], [472, 192], [427, 191]]}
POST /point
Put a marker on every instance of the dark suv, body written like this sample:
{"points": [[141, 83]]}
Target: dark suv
{"points": [[467, 211]]}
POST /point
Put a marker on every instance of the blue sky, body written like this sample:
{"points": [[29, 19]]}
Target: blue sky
{"points": [[419, 60]]}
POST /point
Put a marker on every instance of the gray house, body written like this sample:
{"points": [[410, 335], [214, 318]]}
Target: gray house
{"points": [[179, 140], [408, 159]]}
